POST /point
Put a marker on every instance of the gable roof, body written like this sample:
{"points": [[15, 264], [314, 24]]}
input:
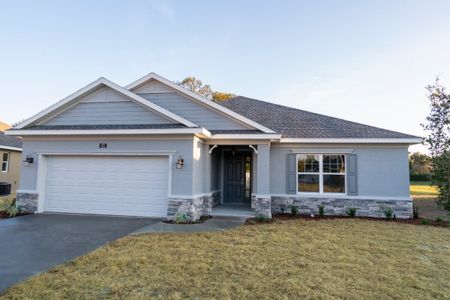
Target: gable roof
{"points": [[10, 142], [300, 124], [224, 110], [92, 86]]}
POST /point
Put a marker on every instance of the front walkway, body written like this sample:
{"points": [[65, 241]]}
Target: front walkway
{"points": [[233, 210]]}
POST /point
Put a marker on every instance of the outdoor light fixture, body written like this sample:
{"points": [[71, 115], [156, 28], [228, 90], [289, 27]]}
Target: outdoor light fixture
{"points": [[180, 162], [29, 160]]}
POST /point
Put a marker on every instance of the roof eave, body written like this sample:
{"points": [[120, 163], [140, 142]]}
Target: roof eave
{"points": [[408, 141]]}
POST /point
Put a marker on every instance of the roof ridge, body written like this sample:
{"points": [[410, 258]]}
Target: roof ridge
{"points": [[321, 115]]}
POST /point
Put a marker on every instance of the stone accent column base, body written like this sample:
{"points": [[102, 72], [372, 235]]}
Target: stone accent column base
{"points": [[194, 208], [263, 206], [27, 201]]}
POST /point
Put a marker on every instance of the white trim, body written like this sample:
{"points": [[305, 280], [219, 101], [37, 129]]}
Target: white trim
{"points": [[262, 196], [322, 151], [353, 141], [117, 88], [245, 136], [114, 153], [10, 148], [343, 196], [212, 148], [200, 131], [169, 179], [199, 98], [254, 149]]}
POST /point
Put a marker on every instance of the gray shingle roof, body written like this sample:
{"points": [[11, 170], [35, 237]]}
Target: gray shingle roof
{"points": [[9, 141], [93, 127], [296, 123]]}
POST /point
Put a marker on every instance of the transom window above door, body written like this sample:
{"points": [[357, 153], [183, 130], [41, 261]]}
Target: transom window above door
{"points": [[321, 173]]}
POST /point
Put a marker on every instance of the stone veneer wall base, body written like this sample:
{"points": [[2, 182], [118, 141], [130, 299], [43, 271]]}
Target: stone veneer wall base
{"points": [[403, 209], [194, 208], [27, 202]]}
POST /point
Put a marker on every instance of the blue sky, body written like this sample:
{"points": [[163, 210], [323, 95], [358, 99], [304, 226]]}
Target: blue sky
{"points": [[366, 61]]}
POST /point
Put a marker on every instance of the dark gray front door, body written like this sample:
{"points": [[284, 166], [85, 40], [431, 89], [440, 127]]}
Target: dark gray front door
{"points": [[234, 179]]}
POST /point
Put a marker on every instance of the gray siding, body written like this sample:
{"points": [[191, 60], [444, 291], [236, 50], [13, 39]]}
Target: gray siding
{"points": [[181, 178], [382, 170], [192, 111], [102, 113]]}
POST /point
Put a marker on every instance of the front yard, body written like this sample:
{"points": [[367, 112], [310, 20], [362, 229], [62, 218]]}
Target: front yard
{"points": [[340, 258]]}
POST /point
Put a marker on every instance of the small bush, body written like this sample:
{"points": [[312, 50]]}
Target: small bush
{"points": [[11, 207], [416, 212], [388, 212], [425, 222], [419, 177], [439, 220], [351, 212], [294, 210], [321, 210], [180, 218], [261, 218]]}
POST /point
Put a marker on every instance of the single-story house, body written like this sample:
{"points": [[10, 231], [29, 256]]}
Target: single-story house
{"points": [[153, 148], [10, 155]]}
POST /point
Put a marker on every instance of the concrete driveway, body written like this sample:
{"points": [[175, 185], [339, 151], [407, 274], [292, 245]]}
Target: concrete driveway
{"points": [[35, 243]]}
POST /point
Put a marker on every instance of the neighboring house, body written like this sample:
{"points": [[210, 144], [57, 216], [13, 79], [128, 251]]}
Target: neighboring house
{"points": [[11, 157], [155, 149]]}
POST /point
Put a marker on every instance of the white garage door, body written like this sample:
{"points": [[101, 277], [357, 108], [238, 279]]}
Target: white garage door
{"points": [[113, 185]]}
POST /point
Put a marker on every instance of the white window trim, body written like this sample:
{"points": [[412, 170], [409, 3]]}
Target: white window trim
{"points": [[5, 161], [321, 174]]}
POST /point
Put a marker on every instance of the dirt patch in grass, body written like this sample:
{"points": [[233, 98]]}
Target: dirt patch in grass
{"points": [[293, 259], [428, 208]]}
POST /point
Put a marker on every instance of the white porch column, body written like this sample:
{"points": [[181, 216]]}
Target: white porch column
{"points": [[262, 196]]}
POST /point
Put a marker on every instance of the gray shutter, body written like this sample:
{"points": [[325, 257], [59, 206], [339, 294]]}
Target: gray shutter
{"points": [[291, 173], [352, 180]]}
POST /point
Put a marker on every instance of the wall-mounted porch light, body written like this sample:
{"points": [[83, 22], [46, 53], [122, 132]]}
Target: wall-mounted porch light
{"points": [[29, 160], [180, 162]]}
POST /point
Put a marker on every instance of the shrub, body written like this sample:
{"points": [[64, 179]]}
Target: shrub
{"points": [[180, 218], [419, 177], [351, 212], [416, 212], [425, 222], [294, 210], [439, 220], [11, 207], [388, 212], [321, 210], [262, 218]]}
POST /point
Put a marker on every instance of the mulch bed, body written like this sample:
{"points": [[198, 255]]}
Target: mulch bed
{"points": [[284, 217], [202, 219], [4, 215]]}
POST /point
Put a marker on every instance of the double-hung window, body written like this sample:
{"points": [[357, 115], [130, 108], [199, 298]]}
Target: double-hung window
{"points": [[5, 162], [321, 173]]}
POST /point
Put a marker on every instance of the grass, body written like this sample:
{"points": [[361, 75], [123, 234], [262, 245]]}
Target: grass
{"points": [[422, 188], [351, 259]]}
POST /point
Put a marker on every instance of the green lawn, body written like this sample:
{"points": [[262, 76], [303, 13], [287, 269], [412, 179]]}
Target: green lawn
{"points": [[296, 259], [422, 188]]}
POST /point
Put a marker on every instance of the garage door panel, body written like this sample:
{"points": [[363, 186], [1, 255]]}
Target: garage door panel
{"points": [[107, 185]]}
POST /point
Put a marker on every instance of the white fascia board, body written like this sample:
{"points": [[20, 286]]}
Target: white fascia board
{"points": [[199, 98], [195, 131], [10, 148], [245, 136], [409, 141], [116, 87]]}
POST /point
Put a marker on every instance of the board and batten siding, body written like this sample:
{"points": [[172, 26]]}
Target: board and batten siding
{"points": [[194, 112], [382, 171], [107, 107]]}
